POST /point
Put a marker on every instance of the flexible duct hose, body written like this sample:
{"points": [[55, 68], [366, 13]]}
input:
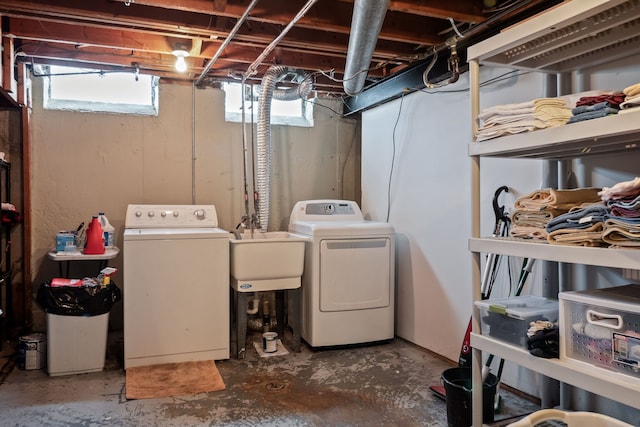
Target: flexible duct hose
{"points": [[291, 94], [263, 154]]}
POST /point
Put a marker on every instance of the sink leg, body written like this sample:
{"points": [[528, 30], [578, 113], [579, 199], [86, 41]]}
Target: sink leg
{"points": [[280, 314], [241, 328], [232, 321], [295, 315]]}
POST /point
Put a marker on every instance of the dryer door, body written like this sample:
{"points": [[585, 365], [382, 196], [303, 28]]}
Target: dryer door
{"points": [[355, 274]]}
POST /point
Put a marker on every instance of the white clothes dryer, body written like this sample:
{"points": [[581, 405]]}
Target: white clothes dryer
{"points": [[176, 285], [348, 282]]}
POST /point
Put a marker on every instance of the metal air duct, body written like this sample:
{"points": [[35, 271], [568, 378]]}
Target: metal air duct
{"points": [[366, 23]]}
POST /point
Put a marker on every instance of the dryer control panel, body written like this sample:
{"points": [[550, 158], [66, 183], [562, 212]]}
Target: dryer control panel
{"points": [[329, 209], [326, 210], [171, 216]]}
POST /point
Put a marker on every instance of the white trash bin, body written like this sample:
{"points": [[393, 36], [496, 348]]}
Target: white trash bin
{"points": [[76, 344]]}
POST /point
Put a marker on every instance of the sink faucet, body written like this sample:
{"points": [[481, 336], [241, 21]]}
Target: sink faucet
{"points": [[251, 223]]}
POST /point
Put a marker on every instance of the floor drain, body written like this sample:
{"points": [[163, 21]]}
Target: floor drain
{"points": [[275, 386]]}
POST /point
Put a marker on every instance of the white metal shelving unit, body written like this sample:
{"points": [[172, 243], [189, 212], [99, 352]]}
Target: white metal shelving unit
{"points": [[573, 36]]}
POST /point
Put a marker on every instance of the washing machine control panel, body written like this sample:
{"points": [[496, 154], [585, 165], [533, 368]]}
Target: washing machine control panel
{"points": [[171, 216]]}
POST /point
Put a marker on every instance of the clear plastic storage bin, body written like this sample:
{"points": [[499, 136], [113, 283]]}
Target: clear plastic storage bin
{"points": [[602, 327], [508, 319]]}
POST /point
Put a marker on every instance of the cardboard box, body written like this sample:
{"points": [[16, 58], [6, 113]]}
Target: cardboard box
{"points": [[64, 239]]}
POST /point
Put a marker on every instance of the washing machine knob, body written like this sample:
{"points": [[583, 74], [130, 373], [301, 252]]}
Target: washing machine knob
{"points": [[163, 214], [151, 214], [138, 214], [176, 214], [199, 214]]}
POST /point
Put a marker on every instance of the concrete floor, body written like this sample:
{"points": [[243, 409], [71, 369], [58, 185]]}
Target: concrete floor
{"points": [[376, 385]]}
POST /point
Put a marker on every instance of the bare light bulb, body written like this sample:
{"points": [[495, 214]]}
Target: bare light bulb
{"points": [[181, 64]]}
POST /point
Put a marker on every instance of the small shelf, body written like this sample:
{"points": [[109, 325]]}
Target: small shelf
{"points": [[109, 253], [611, 384], [615, 133], [568, 38], [573, 36], [602, 257]]}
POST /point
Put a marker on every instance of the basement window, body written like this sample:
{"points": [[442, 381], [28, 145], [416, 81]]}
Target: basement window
{"points": [[88, 90], [289, 113]]}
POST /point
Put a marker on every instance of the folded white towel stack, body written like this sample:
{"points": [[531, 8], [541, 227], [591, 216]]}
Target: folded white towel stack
{"points": [[528, 116], [632, 98]]}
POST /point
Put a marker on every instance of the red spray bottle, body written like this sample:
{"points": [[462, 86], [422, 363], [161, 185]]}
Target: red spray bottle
{"points": [[95, 238]]}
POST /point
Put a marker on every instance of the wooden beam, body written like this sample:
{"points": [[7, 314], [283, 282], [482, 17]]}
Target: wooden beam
{"points": [[82, 36], [27, 226], [469, 11], [235, 60], [102, 42], [332, 16], [461, 11], [155, 41], [1, 35]]}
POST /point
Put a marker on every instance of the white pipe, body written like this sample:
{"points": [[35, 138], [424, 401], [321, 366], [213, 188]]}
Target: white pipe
{"points": [[253, 305]]}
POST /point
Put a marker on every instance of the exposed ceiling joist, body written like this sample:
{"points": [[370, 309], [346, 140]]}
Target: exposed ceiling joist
{"points": [[143, 33]]}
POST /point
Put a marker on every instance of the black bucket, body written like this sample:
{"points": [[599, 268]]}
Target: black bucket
{"points": [[457, 386]]}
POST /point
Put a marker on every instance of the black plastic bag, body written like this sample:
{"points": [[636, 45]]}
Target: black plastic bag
{"points": [[545, 343], [78, 301]]}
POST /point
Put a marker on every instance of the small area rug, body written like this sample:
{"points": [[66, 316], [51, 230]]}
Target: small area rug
{"points": [[172, 379]]}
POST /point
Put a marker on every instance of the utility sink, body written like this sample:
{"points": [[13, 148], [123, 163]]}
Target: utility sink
{"points": [[266, 261]]}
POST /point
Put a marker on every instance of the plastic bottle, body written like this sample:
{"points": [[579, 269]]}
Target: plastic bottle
{"points": [[108, 230], [95, 238]]}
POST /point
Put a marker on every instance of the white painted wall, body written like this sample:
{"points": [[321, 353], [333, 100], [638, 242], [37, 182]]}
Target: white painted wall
{"points": [[428, 203], [83, 163]]}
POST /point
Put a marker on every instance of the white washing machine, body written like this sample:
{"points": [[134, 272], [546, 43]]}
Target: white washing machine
{"points": [[348, 280], [176, 285]]}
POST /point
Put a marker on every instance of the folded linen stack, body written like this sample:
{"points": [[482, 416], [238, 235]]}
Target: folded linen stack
{"points": [[622, 225], [596, 106], [579, 227], [508, 119], [614, 98], [595, 111], [632, 98], [534, 210]]}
